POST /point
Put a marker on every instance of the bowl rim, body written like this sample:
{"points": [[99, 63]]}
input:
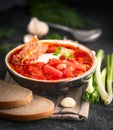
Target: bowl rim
{"points": [[70, 42]]}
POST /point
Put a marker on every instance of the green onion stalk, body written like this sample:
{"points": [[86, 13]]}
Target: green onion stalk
{"points": [[99, 86]]}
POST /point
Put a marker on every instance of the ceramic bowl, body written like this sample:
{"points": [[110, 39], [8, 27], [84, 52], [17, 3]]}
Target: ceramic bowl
{"points": [[53, 86]]}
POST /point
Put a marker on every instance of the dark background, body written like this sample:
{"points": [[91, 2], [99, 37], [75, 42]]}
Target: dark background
{"points": [[14, 13]]}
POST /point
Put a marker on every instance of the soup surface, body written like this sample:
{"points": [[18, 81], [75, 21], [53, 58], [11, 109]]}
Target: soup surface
{"points": [[46, 61]]}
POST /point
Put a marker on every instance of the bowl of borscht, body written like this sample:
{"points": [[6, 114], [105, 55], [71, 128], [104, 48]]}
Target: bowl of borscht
{"points": [[51, 66]]}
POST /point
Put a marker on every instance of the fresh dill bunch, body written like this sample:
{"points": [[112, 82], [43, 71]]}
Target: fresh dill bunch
{"points": [[6, 32], [55, 11]]}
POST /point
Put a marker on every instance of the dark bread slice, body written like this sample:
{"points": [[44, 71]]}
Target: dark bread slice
{"points": [[38, 108], [12, 95]]}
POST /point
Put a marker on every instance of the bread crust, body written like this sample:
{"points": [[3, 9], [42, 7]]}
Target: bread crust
{"points": [[16, 103], [13, 102], [33, 112]]}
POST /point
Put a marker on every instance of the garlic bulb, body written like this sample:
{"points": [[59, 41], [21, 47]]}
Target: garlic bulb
{"points": [[38, 27]]}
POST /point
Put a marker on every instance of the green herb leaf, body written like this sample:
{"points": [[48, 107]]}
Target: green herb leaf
{"points": [[6, 32], [57, 51], [53, 36], [71, 56], [67, 53], [5, 47]]}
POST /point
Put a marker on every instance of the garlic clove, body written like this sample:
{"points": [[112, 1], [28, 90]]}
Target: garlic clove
{"points": [[42, 29], [27, 38], [68, 102], [38, 27], [32, 26]]}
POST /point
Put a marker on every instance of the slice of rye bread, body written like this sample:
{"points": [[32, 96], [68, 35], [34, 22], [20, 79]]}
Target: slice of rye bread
{"points": [[38, 108], [12, 95]]}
